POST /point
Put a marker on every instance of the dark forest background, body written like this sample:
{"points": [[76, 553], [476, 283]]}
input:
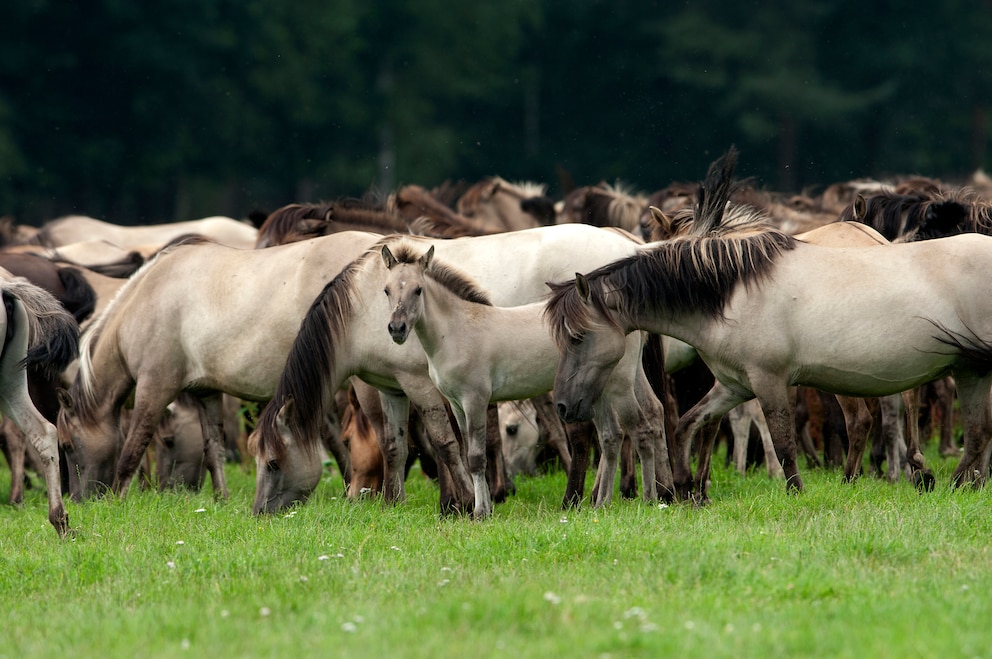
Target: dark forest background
{"points": [[141, 112]]}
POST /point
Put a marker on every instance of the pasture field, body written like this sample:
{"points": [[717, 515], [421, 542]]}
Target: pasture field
{"points": [[869, 569]]}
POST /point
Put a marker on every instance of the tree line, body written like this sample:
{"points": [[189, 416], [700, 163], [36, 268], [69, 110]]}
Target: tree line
{"points": [[150, 112]]}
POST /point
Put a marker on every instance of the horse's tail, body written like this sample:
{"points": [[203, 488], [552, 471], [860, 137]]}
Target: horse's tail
{"points": [[976, 350], [79, 298], [53, 334]]}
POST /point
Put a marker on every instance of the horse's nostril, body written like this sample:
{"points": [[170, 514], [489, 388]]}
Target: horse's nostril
{"points": [[561, 410]]}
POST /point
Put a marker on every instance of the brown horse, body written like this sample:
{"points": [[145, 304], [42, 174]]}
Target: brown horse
{"points": [[509, 206]]}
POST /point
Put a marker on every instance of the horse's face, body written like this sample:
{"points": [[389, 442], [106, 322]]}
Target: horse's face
{"points": [[585, 365], [404, 290], [520, 434], [91, 452], [364, 455], [280, 483], [179, 448]]}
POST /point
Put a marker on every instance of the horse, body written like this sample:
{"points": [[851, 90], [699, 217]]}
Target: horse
{"points": [[38, 332], [759, 308], [75, 228], [203, 318], [510, 206], [295, 222], [603, 205], [478, 354], [340, 337]]}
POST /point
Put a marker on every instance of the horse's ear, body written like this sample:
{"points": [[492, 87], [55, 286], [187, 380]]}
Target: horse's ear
{"points": [[661, 219], [425, 260], [860, 208], [388, 258], [65, 400], [582, 286]]}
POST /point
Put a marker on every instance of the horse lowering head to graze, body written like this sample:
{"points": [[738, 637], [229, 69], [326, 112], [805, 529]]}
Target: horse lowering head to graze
{"points": [[202, 318], [296, 222]]}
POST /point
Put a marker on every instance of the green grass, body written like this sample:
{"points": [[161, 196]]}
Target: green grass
{"points": [[869, 569]]}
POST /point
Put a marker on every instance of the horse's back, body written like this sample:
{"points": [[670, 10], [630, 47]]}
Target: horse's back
{"points": [[226, 311], [843, 234]]}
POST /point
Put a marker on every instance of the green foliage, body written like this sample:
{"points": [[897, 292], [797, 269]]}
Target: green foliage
{"points": [[869, 569], [152, 112]]}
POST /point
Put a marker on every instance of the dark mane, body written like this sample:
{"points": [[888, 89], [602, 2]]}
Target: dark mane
{"points": [[696, 273], [455, 281], [685, 275], [311, 358]]}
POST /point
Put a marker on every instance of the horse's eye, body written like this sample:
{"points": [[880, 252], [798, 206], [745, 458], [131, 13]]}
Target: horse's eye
{"points": [[273, 466], [575, 339], [419, 290]]}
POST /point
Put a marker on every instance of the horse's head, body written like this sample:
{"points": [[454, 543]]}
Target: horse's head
{"points": [[590, 344], [286, 471], [520, 435], [91, 449], [365, 457], [404, 289]]}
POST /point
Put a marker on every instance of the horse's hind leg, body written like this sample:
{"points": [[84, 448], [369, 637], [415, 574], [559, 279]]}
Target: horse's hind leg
{"points": [[915, 463], [652, 414], [628, 469], [15, 404], [15, 450], [703, 417], [211, 410], [858, 421], [973, 396]]}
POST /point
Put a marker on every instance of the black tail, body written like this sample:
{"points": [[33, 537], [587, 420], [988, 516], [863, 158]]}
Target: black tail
{"points": [[79, 298]]}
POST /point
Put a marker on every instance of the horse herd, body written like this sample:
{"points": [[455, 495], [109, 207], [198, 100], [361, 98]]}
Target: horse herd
{"points": [[428, 313]]}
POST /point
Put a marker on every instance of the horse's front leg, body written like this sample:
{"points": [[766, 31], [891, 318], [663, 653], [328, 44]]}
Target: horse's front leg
{"points": [[211, 411], [16, 405], [777, 406], [610, 437], [705, 414], [471, 418], [149, 407], [461, 495], [393, 444]]}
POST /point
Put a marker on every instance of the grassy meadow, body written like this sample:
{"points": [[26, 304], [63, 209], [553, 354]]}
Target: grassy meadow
{"points": [[869, 569]]}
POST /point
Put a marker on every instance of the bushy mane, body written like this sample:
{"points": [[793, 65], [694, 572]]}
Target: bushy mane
{"points": [[694, 273], [685, 275], [311, 358], [457, 282]]}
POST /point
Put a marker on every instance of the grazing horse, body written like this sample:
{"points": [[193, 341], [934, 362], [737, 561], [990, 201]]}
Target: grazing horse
{"points": [[37, 332], [760, 309], [295, 222], [340, 337], [478, 354], [202, 318]]}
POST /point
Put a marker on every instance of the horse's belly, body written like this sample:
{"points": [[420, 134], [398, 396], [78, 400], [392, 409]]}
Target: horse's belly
{"points": [[868, 379]]}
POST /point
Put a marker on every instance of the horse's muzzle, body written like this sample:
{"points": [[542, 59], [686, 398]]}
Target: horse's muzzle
{"points": [[399, 332]]}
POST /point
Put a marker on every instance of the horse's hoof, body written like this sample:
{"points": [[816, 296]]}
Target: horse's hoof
{"points": [[924, 480]]}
